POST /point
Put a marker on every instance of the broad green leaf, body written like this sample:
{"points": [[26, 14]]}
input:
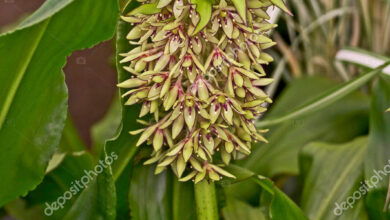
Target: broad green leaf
{"points": [[28, 135], [48, 9], [146, 9], [378, 153], [98, 200], [203, 7], [237, 209], [276, 205], [343, 121], [124, 144], [241, 8], [324, 100], [280, 155], [33, 96], [280, 205], [159, 196], [183, 204], [363, 58], [149, 194], [122, 185], [70, 143], [54, 185], [375, 201], [58, 181], [331, 175]]}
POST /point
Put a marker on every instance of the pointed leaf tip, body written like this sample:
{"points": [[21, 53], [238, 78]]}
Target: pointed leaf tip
{"points": [[280, 4], [203, 7], [241, 6]]}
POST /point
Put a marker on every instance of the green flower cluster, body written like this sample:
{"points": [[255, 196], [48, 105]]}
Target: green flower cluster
{"points": [[202, 85]]}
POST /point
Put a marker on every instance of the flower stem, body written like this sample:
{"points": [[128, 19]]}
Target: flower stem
{"points": [[206, 201]]}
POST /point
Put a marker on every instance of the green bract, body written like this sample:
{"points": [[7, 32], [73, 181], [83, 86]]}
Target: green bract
{"points": [[197, 68]]}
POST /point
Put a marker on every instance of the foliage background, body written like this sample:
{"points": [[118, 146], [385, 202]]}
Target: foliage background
{"points": [[308, 43], [90, 74]]}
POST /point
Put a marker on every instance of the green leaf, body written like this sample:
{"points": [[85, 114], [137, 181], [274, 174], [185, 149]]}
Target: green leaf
{"points": [[241, 8], [149, 194], [363, 58], [281, 5], [237, 209], [375, 201], [378, 152], [183, 204], [159, 196], [277, 205], [48, 9], [331, 174], [33, 96], [58, 181], [54, 185], [281, 206], [324, 100], [122, 185], [123, 143], [28, 135], [146, 9], [203, 7], [280, 155], [98, 201]]}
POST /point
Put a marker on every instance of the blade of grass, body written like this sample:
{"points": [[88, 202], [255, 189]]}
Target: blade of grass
{"points": [[363, 58], [325, 99], [290, 56], [365, 7], [387, 27], [317, 11], [295, 42]]}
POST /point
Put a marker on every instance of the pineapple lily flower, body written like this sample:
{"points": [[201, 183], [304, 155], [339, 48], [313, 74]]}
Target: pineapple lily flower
{"points": [[202, 81]]}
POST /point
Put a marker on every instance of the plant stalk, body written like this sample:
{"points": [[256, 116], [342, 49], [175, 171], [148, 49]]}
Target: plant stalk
{"points": [[206, 201]]}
